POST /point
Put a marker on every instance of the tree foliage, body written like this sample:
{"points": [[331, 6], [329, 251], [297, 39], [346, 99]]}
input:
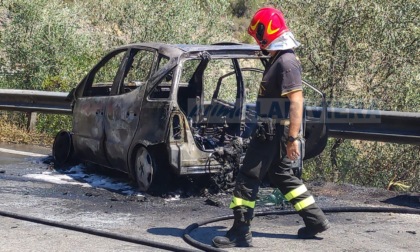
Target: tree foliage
{"points": [[49, 44], [361, 50]]}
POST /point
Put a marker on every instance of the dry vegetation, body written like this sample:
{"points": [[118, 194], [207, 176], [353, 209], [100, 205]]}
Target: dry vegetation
{"points": [[12, 133]]}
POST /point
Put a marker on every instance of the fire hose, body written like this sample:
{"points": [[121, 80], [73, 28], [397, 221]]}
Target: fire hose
{"points": [[188, 239], [186, 234]]}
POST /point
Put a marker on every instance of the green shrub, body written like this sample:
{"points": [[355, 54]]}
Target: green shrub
{"points": [[384, 165]]}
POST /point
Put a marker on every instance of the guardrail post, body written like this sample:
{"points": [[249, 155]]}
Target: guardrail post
{"points": [[30, 126]]}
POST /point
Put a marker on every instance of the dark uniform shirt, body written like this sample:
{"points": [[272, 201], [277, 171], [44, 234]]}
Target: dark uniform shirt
{"points": [[282, 75]]}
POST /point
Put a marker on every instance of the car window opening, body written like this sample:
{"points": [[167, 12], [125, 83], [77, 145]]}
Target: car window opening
{"points": [[211, 100]]}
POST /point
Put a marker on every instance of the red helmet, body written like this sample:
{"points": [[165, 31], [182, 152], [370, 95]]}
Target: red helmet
{"points": [[267, 26]]}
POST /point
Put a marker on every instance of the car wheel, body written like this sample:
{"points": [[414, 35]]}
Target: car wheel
{"points": [[62, 148], [145, 169]]}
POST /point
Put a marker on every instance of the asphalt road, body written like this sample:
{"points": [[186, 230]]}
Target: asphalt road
{"points": [[106, 201]]}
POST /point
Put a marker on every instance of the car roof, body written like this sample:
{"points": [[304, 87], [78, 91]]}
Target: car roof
{"points": [[178, 49]]}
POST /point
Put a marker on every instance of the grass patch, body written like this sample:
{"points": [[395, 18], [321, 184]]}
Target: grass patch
{"points": [[10, 133]]}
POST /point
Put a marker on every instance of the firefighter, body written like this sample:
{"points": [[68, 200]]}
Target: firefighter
{"points": [[275, 144]]}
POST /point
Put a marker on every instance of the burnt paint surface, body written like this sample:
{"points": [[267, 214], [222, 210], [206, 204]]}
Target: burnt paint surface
{"points": [[122, 118], [88, 129], [156, 114]]}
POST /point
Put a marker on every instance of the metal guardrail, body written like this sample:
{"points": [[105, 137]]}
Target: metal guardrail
{"points": [[35, 101], [370, 125]]}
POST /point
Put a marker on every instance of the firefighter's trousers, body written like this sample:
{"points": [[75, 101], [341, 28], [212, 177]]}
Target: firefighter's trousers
{"points": [[269, 155]]}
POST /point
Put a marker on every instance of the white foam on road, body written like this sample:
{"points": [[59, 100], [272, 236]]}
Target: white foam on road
{"points": [[23, 153], [78, 176]]}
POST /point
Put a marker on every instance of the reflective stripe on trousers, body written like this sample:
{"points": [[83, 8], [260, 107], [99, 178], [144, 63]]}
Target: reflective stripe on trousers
{"points": [[289, 196], [298, 192], [241, 202]]}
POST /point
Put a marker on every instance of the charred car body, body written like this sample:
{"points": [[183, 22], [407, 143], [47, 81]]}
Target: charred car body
{"points": [[155, 110]]}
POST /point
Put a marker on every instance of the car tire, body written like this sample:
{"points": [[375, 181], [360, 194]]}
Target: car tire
{"points": [[62, 150], [145, 168]]}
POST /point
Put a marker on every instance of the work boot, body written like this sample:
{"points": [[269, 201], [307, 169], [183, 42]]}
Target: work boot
{"points": [[239, 235], [309, 232], [315, 222]]}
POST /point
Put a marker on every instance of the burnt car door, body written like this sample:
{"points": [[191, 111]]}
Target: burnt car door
{"points": [[156, 105], [123, 111], [91, 97]]}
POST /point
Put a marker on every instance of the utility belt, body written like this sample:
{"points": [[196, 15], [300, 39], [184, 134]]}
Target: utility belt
{"points": [[266, 127]]}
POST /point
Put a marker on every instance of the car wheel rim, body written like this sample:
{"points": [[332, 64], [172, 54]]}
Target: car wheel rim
{"points": [[144, 169]]}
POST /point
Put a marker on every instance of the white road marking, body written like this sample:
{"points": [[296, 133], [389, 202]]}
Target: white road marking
{"points": [[23, 153]]}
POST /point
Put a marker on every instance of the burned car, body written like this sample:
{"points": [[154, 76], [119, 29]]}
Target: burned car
{"points": [[158, 110]]}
